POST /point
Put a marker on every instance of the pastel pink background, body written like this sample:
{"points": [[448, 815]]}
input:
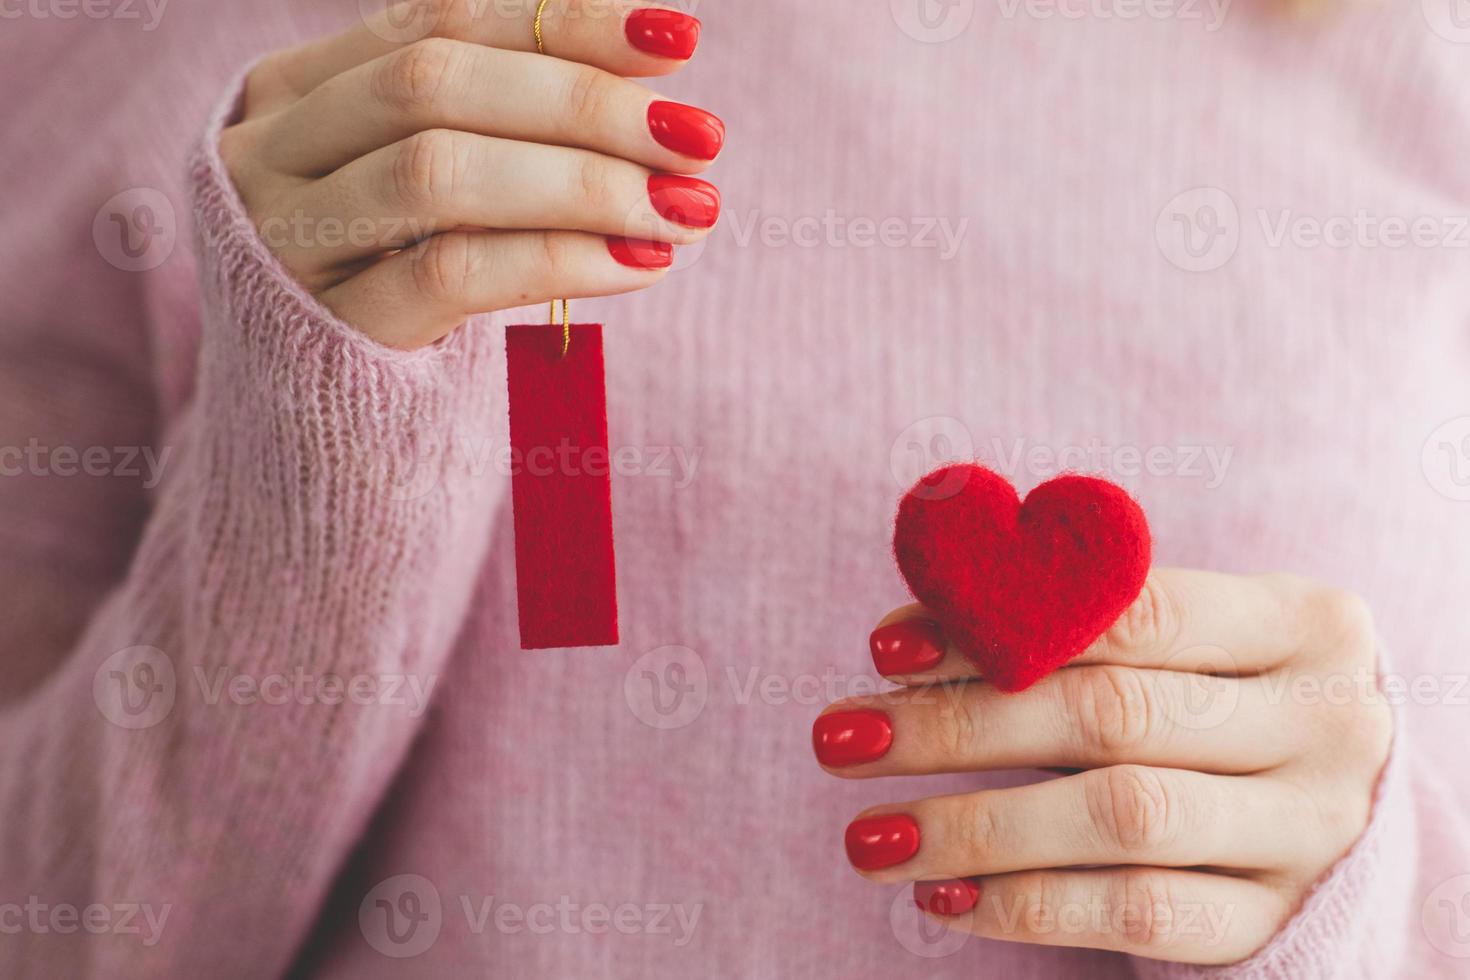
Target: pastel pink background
{"points": [[809, 379]]}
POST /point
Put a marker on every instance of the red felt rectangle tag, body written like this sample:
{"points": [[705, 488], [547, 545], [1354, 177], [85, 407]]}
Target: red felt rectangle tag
{"points": [[561, 491]]}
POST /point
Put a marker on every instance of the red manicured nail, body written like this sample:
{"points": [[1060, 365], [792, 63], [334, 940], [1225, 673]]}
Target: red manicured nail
{"points": [[949, 898], [846, 738], [666, 33], [907, 646], [641, 254], [881, 842], [687, 130], [688, 201]]}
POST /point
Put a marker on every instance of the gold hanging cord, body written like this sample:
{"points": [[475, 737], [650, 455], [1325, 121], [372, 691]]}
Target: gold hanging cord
{"points": [[566, 305]]}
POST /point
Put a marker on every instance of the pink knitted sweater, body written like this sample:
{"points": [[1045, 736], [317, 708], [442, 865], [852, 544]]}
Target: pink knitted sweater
{"points": [[263, 711]]}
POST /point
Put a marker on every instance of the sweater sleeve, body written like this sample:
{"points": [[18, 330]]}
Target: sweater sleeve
{"points": [[188, 780], [1361, 919]]}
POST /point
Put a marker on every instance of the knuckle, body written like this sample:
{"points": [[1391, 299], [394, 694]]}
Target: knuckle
{"points": [[1046, 897], [1132, 809], [426, 170], [269, 83], [1337, 819], [588, 98], [1345, 619], [259, 187], [1285, 583], [443, 267], [1150, 623], [1375, 729], [235, 151], [976, 825], [413, 80], [1116, 709], [1144, 907], [556, 258], [591, 182], [1361, 734], [955, 729]]}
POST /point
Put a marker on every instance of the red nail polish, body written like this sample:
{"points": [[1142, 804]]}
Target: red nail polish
{"points": [[955, 896], [907, 646], [687, 130], [881, 842], [641, 254], [666, 33], [685, 200], [846, 738]]}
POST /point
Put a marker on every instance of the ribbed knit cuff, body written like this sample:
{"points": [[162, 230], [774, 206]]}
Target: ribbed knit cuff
{"points": [[260, 318], [325, 449]]}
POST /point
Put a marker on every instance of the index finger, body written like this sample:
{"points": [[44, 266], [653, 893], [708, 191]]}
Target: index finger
{"points": [[618, 36], [1183, 619]]}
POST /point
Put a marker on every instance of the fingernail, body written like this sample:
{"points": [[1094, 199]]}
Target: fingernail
{"points": [[687, 201], [846, 738], [687, 130], [955, 896], [907, 646], [882, 842], [641, 254], [666, 33]]}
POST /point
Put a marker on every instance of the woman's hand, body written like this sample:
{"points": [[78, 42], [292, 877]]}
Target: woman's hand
{"points": [[1229, 733], [410, 184]]}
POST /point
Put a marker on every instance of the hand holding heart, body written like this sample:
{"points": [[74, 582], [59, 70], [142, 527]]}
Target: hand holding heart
{"points": [[1211, 793]]}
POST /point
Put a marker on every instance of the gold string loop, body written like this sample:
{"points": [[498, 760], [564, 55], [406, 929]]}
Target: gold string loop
{"points": [[566, 305], [566, 322]]}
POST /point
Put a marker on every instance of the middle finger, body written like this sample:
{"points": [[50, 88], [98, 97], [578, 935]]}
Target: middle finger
{"points": [[1114, 816], [439, 84], [1084, 717], [441, 179]]}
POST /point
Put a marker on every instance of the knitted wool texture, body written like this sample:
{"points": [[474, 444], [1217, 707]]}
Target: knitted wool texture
{"points": [[1020, 587]]}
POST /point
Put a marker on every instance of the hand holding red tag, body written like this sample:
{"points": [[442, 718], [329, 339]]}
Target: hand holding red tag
{"points": [[565, 590], [465, 197]]}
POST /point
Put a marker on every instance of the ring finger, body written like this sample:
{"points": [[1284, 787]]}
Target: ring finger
{"points": [[441, 179], [1118, 815], [1096, 715], [457, 85]]}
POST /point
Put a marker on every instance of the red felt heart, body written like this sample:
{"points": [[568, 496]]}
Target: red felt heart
{"points": [[1020, 587]]}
